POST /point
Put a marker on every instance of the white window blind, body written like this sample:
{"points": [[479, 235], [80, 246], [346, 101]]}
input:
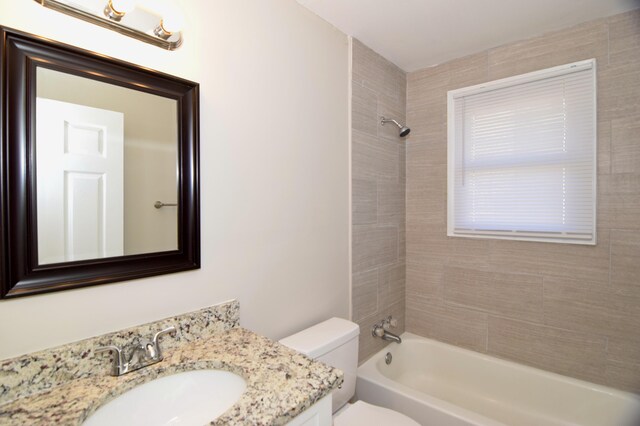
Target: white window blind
{"points": [[522, 157]]}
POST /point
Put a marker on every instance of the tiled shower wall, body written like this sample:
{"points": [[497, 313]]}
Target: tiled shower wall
{"points": [[571, 309], [378, 194]]}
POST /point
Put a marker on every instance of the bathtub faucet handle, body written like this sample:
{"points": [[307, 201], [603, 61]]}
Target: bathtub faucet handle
{"points": [[389, 322], [393, 322], [378, 331]]}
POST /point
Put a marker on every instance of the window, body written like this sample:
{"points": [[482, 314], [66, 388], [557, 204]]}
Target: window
{"points": [[522, 157]]}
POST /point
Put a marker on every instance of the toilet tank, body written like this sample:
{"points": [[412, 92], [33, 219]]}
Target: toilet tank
{"points": [[334, 342]]}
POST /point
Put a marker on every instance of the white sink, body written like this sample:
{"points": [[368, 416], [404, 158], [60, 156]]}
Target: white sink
{"points": [[189, 398]]}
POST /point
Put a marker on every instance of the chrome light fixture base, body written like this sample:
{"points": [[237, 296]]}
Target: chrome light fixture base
{"points": [[111, 19]]}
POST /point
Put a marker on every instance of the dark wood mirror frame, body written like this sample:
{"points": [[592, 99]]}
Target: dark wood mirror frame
{"points": [[20, 273]]}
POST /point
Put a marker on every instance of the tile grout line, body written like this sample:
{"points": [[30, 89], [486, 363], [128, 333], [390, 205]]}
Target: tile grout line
{"points": [[608, 42], [610, 284]]}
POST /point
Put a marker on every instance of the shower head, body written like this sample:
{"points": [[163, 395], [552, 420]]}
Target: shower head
{"points": [[404, 130]]}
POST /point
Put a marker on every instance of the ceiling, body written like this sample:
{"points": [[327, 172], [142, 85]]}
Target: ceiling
{"points": [[416, 34]]}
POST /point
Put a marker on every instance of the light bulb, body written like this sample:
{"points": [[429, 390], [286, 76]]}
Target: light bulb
{"points": [[123, 6], [173, 22]]}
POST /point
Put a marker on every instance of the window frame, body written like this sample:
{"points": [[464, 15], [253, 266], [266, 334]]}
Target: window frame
{"points": [[453, 95]]}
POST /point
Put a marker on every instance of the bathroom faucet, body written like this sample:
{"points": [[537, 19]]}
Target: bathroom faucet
{"points": [[381, 330], [140, 353]]}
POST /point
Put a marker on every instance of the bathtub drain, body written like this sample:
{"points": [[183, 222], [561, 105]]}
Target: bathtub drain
{"points": [[388, 358]]}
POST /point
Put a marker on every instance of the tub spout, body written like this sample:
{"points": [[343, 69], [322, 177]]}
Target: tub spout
{"points": [[390, 337], [379, 331]]}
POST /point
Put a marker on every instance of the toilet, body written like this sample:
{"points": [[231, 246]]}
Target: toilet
{"points": [[335, 342]]}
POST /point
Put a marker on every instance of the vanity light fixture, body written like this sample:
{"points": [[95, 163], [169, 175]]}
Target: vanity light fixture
{"points": [[157, 23], [169, 25], [116, 9]]}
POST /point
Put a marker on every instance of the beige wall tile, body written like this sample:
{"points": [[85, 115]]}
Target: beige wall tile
{"points": [[625, 144], [425, 149], [515, 296], [402, 241], [619, 201], [585, 41], [624, 38], [430, 134], [428, 206], [365, 294], [374, 246], [604, 147], [581, 355], [373, 157], [366, 65], [422, 83], [375, 72], [577, 305], [428, 242], [625, 261], [394, 104], [553, 259], [392, 284], [393, 91], [402, 162], [391, 203], [426, 97], [395, 146], [590, 307], [426, 176], [365, 201], [427, 195], [624, 349], [431, 113], [624, 376], [455, 325], [425, 279], [364, 110], [469, 70], [618, 91]]}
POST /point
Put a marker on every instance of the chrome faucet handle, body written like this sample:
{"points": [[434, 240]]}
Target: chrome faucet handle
{"points": [[377, 330], [140, 351], [117, 362], [109, 348], [154, 350], [393, 322], [389, 322]]}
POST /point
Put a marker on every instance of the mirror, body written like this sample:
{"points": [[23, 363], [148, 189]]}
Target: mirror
{"points": [[105, 155], [100, 169]]}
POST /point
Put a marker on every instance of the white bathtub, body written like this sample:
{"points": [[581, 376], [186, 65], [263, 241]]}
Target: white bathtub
{"points": [[442, 385]]}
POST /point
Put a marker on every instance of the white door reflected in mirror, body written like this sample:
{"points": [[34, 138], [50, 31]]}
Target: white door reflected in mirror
{"points": [[80, 173]]}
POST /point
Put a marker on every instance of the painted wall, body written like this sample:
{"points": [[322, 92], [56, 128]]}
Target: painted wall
{"points": [[571, 309], [378, 194], [275, 174]]}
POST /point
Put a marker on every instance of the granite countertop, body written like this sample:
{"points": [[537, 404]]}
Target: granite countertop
{"points": [[281, 383]]}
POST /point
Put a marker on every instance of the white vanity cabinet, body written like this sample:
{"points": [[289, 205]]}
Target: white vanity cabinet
{"points": [[319, 414]]}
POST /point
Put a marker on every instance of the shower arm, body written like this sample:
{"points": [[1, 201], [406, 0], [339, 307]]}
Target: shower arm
{"points": [[384, 121]]}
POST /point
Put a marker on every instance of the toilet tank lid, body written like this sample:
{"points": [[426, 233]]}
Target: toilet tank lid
{"points": [[321, 338]]}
